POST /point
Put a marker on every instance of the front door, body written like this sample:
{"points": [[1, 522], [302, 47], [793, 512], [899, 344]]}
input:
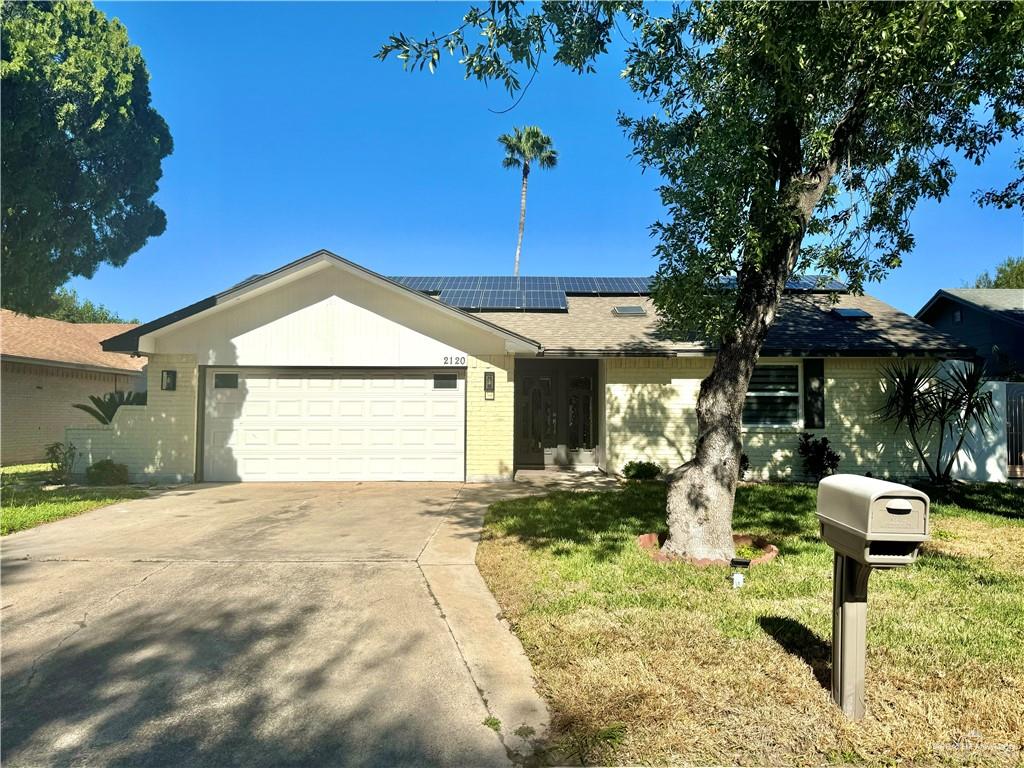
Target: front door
{"points": [[556, 413], [536, 421]]}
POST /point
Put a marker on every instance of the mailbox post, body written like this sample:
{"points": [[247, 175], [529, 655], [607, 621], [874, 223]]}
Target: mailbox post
{"points": [[870, 524]]}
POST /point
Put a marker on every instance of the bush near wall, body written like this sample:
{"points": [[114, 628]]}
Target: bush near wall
{"points": [[106, 472]]}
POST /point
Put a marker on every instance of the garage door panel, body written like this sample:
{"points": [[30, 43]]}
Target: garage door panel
{"points": [[342, 425]]}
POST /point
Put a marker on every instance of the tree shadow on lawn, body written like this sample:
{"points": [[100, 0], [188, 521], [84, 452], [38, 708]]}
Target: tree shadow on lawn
{"points": [[999, 499], [797, 640], [604, 521], [608, 521]]}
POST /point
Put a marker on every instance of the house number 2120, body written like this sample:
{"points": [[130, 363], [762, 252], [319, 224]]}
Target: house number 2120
{"points": [[455, 360]]}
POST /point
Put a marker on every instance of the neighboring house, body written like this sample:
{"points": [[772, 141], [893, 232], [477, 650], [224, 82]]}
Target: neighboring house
{"points": [[47, 366], [323, 370], [989, 319]]}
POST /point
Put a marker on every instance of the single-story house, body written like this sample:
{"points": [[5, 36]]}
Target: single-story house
{"points": [[989, 319], [324, 370], [47, 366]]}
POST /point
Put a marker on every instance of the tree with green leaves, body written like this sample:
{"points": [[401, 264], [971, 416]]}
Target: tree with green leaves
{"points": [[82, 148], [66, 305], [790, 137], [524, 146], [1009, 274]]}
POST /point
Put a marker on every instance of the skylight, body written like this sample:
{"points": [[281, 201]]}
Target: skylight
{"points": [[630, 310], [850, 313]]}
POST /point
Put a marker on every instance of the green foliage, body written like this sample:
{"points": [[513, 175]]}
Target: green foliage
{"points": [[493, 723], [791, 136], [818, 457], [67, 306], [527, 145], [935, 404], [104, 407], [1009, 274], [106, 472], [28, 501], [61, 459], [641, 470], [82, 148]]}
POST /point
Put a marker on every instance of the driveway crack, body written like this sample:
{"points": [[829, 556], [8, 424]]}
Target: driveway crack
{"points": [[79, 626], [444, 519]]}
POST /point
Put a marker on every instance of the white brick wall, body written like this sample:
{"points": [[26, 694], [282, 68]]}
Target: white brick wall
{"points": [[650, 411], [35, 405], [155, 441]]}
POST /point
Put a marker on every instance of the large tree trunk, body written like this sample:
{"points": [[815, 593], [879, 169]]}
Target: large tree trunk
{"points": [[701, 492], [522, 219]]}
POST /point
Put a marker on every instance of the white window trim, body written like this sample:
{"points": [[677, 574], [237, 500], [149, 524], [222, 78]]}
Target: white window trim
{"points": [[797, 424]]}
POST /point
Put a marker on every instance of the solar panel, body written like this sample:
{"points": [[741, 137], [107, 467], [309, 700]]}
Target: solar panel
{"points": [[504, 292]]}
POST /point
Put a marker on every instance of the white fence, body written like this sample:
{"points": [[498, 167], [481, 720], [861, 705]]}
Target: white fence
{"points": [[996, 453]]}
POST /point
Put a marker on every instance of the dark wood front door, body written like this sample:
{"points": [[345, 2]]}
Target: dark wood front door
{"points": [[556, 413], [537, 420]]}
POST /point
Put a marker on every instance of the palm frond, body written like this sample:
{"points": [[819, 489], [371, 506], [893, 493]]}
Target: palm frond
{"points": [[102, 419]]}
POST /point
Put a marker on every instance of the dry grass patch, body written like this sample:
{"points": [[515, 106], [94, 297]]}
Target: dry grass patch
{"points": [[666, 664]]}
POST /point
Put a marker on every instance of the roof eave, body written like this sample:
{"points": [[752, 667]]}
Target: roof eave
{"points": [[129, 341]]}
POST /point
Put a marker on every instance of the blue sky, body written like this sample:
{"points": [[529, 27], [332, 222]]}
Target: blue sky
{"points": [[290, 137]]}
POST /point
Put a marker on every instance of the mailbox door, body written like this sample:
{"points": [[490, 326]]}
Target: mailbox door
{"points": [[899, 515]]}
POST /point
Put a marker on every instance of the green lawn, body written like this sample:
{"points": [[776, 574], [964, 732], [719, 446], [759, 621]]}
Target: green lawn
{"points": [[667, 664], [26, 500]]}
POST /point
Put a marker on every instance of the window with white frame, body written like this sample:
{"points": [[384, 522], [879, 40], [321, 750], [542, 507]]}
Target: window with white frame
{"points": [[773, 397]]}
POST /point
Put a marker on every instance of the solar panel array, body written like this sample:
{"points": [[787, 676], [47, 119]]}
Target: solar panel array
{"points": [[549, 293]]}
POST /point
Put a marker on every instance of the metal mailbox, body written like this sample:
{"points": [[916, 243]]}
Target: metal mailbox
{"points": [[870, 524], [875, 522]]}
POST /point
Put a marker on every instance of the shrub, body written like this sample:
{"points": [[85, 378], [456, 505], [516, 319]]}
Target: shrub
{"points": [[641, 470], [61, 458], [819, 458], [744, 465], [106, 472]]}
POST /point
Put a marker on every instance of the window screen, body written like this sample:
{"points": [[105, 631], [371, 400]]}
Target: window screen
{"points": [[225, 381], [773, 396], [445, 381]]}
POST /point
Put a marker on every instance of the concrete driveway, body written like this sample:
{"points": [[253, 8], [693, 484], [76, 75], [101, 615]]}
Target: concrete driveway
{"points": [[262, 625]]}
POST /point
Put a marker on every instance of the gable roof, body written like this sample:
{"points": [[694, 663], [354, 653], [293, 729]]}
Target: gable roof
{"points": [[1005, 303], [805, 326], [129, 341], [44, 340]]}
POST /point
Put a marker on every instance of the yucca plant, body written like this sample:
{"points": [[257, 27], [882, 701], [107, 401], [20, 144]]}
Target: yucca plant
{"points": [[936, 403], [104, 407]]}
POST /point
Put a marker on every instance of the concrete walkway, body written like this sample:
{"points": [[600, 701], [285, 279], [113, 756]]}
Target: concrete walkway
{"points": [[264, 625]]}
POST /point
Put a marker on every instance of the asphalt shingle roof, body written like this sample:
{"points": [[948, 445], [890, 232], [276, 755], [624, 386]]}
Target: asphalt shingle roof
{"points": [[1007, 302], [40, 338], [805, 325]]}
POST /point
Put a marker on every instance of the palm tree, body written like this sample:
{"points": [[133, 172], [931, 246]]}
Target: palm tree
{"points": [[524, 146]]}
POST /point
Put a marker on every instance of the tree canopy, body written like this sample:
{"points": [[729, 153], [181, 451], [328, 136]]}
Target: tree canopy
{"points": [[82, 148], [66, 305], [758, 101], [1009, 274]]}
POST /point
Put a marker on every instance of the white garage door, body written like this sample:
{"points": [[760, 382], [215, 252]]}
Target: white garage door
{"points": [[334, 425]]}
